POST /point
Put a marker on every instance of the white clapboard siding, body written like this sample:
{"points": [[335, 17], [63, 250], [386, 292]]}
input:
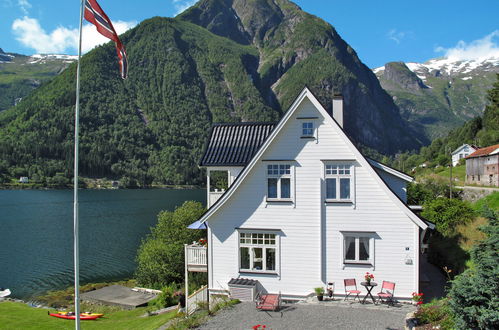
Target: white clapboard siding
{"points": [[310, 250]]}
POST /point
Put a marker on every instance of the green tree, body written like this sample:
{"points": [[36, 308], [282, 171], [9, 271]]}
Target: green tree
{"points": [[160, 257], [447, 214], [474, 295]]}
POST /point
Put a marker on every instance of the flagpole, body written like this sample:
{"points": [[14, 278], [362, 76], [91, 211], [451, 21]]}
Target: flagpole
{"points": [[75, 181]]}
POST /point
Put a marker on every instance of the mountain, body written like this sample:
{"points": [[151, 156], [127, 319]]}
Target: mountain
{"points": [[20, 74], [220, 61], [297, 49], [440, 94], [482, 130]]}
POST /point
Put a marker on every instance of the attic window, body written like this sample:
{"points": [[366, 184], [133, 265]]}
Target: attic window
{"points": [[307, 129]]}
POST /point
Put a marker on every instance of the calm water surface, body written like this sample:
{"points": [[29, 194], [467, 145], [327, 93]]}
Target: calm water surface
{"points": [[36, 234]]}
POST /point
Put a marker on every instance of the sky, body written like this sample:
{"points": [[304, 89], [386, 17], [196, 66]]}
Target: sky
{"points": [[380, 31]]}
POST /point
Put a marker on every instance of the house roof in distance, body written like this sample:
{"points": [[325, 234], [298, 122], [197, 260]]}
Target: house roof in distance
{"points": [[487, 151], [234, 144], [464, 145]]}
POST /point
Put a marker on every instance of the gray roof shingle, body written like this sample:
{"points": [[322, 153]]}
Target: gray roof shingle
{"points": [[235, 144]]}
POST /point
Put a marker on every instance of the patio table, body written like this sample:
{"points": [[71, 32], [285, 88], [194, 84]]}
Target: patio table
{"points": [[369, 287]]}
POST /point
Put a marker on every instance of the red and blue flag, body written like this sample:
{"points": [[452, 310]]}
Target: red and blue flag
{"points": [[95, 15]]}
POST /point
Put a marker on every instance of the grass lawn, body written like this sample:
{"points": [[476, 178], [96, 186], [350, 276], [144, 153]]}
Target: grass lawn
{"points": [[492, 201], [458, 172], [21, 316]]}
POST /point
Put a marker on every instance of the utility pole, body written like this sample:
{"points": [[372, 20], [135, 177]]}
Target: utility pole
{"points": [[450, 181]]}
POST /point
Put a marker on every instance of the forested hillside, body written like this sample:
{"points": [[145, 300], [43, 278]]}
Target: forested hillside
{"points": [[186, 73], [441, 94], [482, 131], [20, 74]]}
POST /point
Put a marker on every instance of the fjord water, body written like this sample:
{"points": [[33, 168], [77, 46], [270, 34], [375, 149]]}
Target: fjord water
{"points": [[36, 234]]}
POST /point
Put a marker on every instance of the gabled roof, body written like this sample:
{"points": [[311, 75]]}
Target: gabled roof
{"points": [[487, 151], [234, 144], [464, 145], [390, 170], [306, 93]]}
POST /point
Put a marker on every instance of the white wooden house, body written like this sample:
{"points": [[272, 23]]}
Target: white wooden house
{"points": [[304, 207], [462, 152]]}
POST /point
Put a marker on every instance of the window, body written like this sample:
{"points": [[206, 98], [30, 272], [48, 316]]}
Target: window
{"points": [[279, 181], [258, 252], [307, 129], [358, 248], [338, 182]]}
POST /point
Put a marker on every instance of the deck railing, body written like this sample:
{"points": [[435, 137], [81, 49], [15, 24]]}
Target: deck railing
{"points": [[196, 255], [195, 299], [214, 196]]}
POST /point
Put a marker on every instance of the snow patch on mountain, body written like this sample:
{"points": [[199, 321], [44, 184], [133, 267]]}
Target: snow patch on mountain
{"points": [[449, 67], [42, 58]]}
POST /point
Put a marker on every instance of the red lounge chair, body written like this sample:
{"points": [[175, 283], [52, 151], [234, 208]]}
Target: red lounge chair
{"points": [[351, 288], [268, 302], [386, 293]]}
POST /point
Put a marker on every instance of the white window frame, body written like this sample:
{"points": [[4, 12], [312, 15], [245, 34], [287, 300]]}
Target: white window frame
{"points": [[310, 130], [357, 236], [264, 247], [338, 171], [279, 171]]}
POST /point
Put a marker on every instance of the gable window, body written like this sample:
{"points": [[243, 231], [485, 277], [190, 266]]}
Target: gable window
{"points": [[358, 248], [279, 182], [258, 252], [338, 179], [307, 129]]}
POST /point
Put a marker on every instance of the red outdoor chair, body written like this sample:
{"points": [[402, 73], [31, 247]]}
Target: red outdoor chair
{"points": [[386, 293], [351, 288], [268, 302]]}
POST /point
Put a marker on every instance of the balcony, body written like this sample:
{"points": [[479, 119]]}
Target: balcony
{"points": [[215, 195], [196, 258]]}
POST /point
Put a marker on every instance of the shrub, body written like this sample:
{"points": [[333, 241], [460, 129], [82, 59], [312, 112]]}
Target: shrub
{"points": [[436, 313], [474, 294], [447, 214], [166, 298], [161, 255]]}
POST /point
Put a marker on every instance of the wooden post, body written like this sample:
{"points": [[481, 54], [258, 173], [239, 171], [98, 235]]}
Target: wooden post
{"points": [[450, 183], [186, 282], [208, 183]]}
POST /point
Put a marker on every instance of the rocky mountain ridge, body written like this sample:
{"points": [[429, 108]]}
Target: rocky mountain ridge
{"points": [[440, 94], [186, 73]]}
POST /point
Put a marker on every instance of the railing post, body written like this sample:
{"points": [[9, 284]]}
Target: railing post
{"points": [[186, 281]]}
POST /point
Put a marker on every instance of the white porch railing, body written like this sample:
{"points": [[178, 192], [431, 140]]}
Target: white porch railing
{"points": [[196, 255], [214, 196], [199, 296]]}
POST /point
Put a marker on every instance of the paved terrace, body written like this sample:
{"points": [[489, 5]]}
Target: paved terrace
{"points": [[118, 295], [313, 314]]}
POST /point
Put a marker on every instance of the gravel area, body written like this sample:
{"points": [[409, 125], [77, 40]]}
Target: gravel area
{"points": [[312, 315]]}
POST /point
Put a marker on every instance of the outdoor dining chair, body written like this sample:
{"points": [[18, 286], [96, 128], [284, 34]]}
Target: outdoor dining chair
{"points": [[268, 302], [351, 288], [386, 293]]}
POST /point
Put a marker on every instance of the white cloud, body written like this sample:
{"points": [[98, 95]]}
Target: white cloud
{"points": [[92, 38], [61, 40], [479, 50], [24, 5], [395, 35], [181, 5]]}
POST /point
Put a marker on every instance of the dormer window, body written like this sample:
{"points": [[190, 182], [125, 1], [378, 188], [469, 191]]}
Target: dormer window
{"points": [[307, 129], [279, 182]]}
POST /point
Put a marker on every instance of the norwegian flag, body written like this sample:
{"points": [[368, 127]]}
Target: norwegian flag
{"points": [[95, 15]]}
